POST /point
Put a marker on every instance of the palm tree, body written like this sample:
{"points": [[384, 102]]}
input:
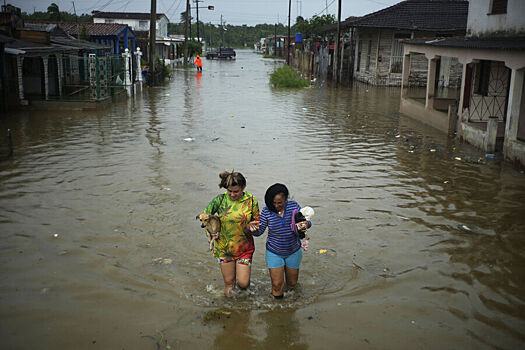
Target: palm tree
{"points": [[54, 12]]}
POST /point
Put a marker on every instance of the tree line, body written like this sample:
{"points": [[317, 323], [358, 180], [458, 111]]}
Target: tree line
{"points": [[215, 35]]}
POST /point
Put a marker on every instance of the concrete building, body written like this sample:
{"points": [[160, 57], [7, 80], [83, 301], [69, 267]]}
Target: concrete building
{"points": [[378, 39], [489, 111]]}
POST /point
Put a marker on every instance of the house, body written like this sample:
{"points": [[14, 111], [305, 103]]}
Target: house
{"points": [[137, 21], [140, 23], [490, 106], [117, 36], [43, 67], [378, 39]]}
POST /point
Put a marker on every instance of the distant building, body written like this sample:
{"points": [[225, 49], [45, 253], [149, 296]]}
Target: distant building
{"points": [[140, 22], [136, 20]]}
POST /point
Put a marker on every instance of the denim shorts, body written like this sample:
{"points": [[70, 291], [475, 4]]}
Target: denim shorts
{"points": [[274, 261]]}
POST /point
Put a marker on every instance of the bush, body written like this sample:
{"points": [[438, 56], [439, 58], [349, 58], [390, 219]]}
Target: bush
{"points": [[285, 77]]}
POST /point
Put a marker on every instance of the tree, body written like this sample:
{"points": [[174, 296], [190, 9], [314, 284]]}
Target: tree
{"points": [[54, 12]]}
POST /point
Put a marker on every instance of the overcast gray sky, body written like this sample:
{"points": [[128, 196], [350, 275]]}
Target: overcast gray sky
{"points": [[234, 12]]}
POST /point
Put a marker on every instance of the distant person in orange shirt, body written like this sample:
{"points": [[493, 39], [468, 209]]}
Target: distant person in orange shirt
{"points": [[198, 62]]}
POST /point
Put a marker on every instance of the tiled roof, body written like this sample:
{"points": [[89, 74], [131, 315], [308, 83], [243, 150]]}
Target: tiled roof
{"points": [[516, 43], [125, 15], [431, 15], [95, 29]]}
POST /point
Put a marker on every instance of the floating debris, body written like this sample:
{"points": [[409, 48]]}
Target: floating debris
{"points": [[432, 150], [322, 251], [55, 235], [457, 158], [491, 156], [162, 261], [189, 139]]}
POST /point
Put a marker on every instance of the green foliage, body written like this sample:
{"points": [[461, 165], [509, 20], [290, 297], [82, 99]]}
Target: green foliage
{"points": [[312, 28], [234, 36], [285, 77], [54, 12], [162, 69], [51, 16], [194, 48], [83, 34]]}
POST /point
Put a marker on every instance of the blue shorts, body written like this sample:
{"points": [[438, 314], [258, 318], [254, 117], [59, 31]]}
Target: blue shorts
{"points": [[274, 261]]}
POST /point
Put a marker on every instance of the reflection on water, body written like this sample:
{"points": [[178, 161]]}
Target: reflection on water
{"points": [[100, 206]]}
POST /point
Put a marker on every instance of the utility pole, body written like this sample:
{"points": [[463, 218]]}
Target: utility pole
{"points": [[275, 41], [152, 37], [186, 32], [222, 33], [197, 7], [336, 46], [288, 39]]}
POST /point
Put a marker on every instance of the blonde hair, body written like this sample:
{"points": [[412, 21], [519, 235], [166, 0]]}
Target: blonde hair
{"points": [[232, 178]]}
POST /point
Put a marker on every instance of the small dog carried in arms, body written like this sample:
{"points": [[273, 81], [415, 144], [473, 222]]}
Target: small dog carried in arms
{"points": [[212, 224]]}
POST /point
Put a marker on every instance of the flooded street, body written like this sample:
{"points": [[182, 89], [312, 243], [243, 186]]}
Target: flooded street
{"points": [[417, 242]]}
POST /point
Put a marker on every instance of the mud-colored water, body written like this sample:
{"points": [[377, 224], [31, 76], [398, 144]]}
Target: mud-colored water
{"points": [[417, 241]]}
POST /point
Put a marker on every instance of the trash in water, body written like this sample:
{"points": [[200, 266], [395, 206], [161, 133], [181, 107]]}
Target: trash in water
{"points": [[231, 116], [215, 139], [189, 139], [492, 156], [445, 182], [304, 109], [55, 235], [162, 261], [398, 136], [464, 228], [457, 158], [432, 150], [322, 251], [63, 252]]}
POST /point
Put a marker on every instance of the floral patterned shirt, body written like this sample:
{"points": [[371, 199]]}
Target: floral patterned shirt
{"points": [[234, 240]]}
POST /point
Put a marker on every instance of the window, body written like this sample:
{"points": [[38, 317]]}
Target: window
{"points": [[396, 61], [498, 7], [482, 78], [368, 52], [109, 21], [143, 24]]}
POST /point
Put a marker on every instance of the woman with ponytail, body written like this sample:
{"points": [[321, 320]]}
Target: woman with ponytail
{"points": [[238, 211]]}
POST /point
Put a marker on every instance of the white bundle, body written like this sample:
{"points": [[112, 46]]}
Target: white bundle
{"points": [[308, 212]]}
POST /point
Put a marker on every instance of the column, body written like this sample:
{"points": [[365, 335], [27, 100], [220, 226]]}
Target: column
{"points": [[126, 55], [19, 65], [138, 55], [60, 73], [431, 83], [45, 59], [513, 110], [491, 135], [405, 75]]}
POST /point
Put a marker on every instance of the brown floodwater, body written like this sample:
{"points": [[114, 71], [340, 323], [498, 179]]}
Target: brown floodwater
{"points": [[418, 241]]}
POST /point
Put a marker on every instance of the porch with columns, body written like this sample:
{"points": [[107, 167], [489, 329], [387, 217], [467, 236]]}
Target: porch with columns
{"points": [[507, 123]]}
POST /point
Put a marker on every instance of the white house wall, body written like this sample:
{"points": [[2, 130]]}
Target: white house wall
{"points": [[481, 23], [134, 24]]}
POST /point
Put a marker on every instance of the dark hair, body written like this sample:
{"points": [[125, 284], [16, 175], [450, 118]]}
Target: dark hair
{"points": [[273, 191], [231, 179]]}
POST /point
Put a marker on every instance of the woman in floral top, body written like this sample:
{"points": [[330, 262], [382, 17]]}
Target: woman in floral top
{"points": [[238, 211]]}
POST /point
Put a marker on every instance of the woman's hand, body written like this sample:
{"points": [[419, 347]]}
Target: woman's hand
{"points": [[253, 226]]}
